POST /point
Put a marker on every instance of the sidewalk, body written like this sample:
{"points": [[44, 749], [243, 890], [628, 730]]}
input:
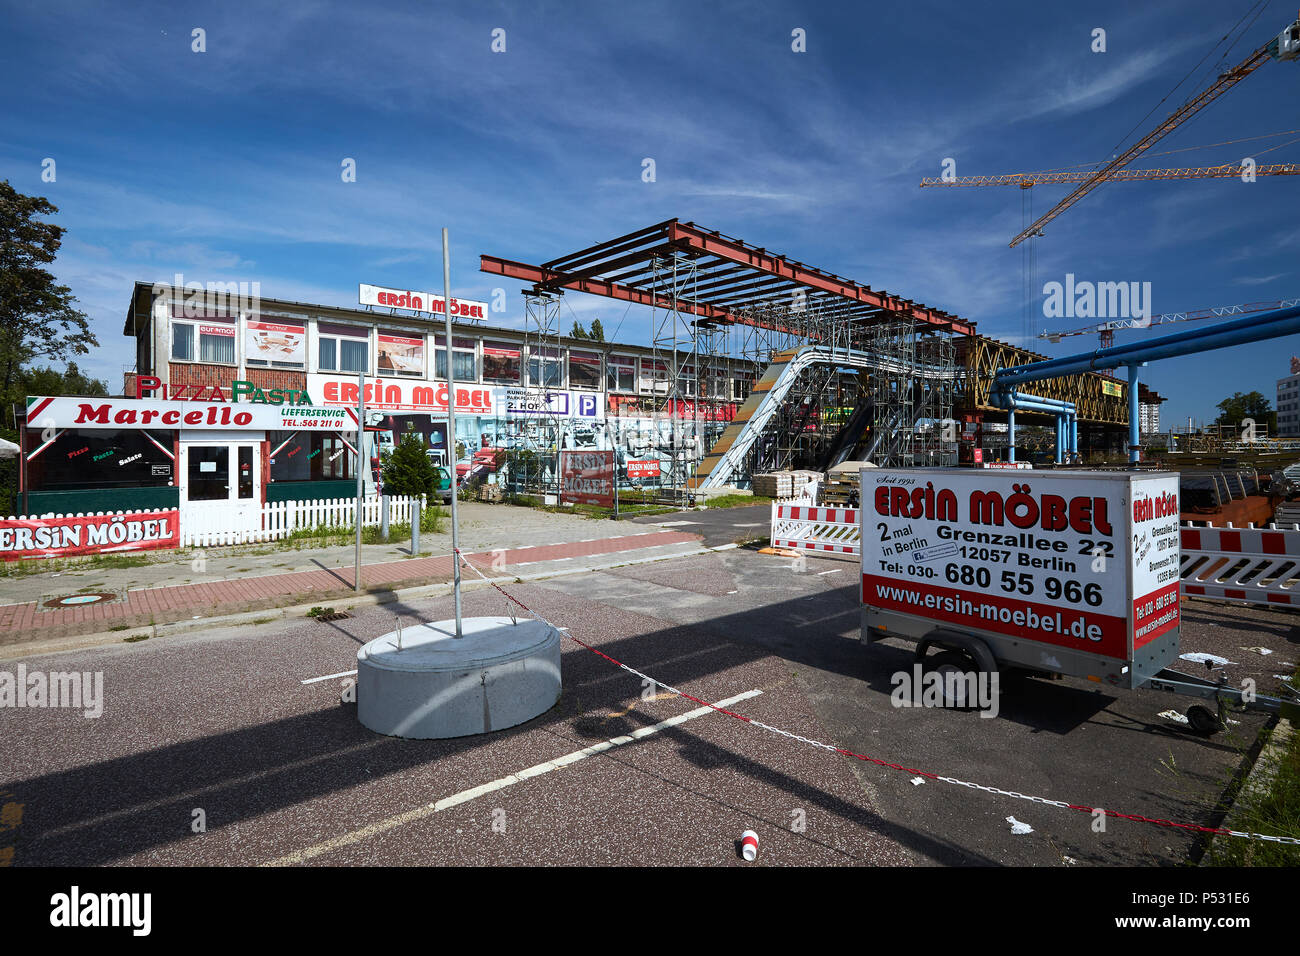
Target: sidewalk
{"points": [[221, 589]]}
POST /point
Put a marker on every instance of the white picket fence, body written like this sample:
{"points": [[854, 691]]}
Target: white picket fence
{"points": [[280, 519]]}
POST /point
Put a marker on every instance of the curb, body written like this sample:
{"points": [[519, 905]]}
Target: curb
{"points": [[1256, 782], [62, 645]]}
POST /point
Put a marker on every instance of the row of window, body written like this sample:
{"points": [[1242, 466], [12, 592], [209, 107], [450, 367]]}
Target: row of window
{"points": [[285, 346]]}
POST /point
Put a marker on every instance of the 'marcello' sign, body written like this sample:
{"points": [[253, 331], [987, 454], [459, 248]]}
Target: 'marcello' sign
{"points": [[100, 413]]}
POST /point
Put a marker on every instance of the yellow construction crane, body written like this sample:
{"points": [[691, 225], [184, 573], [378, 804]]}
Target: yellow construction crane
{"points": [[1029, 180], [1285, 46]]}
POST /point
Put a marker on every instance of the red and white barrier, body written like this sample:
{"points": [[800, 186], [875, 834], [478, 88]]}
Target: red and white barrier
{"points": [[808, 528], [1258, 565]]}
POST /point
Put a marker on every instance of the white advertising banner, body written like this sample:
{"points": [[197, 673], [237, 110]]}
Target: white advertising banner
{"points": [[425, 302], [403, 395], [1077, 560], [275, 342], [552, 403]]}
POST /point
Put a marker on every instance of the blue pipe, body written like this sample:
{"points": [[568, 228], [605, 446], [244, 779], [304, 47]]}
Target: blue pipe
{"points": [[1134, 437], [1269, 325]]}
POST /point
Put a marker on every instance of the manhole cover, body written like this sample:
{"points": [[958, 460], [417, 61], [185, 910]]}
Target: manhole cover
{"points": [[80, 600]]}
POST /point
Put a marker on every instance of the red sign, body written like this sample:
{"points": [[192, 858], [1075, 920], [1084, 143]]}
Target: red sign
{"points": [[643, 469], [978, 455], [587, 478], [88, 534]]}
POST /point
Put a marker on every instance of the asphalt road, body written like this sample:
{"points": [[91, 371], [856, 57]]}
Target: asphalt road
{"points": [[219, 727], [718, 526]]}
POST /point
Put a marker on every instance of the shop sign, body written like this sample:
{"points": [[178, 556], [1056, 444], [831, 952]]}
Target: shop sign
{"points": [[116, 413], [587, 478], [420, 302], [403, 395], [26, 537]]}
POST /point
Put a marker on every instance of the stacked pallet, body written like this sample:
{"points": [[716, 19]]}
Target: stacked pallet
{"points": [[489, 493], [840, 489], [775, 484]]}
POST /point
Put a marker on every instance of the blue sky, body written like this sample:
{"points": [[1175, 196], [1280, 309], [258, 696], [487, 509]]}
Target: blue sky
{"points": [[225, 165]]}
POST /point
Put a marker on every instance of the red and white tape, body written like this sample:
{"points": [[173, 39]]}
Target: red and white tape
{"points": [[1013, 794]]}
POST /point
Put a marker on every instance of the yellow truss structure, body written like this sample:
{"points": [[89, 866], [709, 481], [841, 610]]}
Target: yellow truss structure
{"points": [[1099, 398]]}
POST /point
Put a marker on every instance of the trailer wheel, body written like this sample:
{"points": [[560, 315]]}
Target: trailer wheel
{"points": [[953, 663], [1203, 720]]}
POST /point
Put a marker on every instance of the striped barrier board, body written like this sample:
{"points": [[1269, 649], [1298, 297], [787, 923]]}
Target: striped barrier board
{"points": [[1258, 565], [809, 528]]}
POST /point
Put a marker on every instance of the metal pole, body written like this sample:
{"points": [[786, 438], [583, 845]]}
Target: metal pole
{"points": [[1134, 439], [362, 464], [1011, 435], [451, 427]]}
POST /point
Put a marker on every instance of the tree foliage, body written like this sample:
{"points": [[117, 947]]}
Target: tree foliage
{"points": [[1247, 405], [38, 317], [408, 470]]}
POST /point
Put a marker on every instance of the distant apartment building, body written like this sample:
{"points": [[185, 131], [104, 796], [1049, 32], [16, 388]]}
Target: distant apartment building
{"points": [[1149, 410], [1288, 406]]}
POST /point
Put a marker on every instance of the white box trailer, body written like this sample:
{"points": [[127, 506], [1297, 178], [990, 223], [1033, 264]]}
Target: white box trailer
{"points": [[1059, 572]]}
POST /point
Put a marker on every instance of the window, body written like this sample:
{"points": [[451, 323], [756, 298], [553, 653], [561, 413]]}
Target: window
{"points": [[688, 376], [620, 373], [343, 349], [274, 344], [501, 363], [306, 455], [464, 362], [654, 377], [216, 342], [584, 369], [100, 458], [401, 354], [545, 369]]}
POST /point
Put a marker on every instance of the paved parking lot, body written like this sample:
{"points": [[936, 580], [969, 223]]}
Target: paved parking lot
{"points": [[220, 727]]}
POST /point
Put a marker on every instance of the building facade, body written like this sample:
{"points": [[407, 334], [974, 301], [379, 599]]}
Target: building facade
{"points": [[1288, 407], [234, 402]]}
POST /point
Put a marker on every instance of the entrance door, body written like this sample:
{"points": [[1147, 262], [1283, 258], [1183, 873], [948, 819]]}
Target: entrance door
{"points": [[221, 497]]}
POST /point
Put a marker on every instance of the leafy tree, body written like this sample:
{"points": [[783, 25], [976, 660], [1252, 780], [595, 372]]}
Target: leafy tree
{"points": [[408, 470], [37, 315], [49, 381], [1253, 405], [597, 333], [578, 331]]}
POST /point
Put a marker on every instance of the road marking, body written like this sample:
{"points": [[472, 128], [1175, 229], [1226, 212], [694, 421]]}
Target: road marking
{"points": [[828, 617], [672, 524], [315, 680], [456, 799], [755, 524], [831, 571]]}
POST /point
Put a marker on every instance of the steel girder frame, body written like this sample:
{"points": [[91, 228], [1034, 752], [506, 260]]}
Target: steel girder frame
{"points": [[982, 358], [733, 277]]}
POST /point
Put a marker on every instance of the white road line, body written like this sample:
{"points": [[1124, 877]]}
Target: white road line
{"points": [[316, 680], [672, 524], [831, 571], [446, 803], [828, 617]]}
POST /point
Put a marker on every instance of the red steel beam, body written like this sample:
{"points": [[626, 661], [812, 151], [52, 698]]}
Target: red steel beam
{"points": [[612, 290], [735, 251]]}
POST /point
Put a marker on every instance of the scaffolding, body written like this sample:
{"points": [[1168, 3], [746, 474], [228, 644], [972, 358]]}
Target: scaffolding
{"points": [[535, 427]]}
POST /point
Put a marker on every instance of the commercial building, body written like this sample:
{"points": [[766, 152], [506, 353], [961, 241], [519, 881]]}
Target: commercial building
{"points": [[1288, 407], [239, 400]]}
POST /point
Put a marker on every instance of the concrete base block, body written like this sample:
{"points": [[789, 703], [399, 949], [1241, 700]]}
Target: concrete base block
{"points": [[496, 676]]}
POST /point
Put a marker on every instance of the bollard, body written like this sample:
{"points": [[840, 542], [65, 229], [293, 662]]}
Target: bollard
{"points": [[383, 518], [415, 526]]}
